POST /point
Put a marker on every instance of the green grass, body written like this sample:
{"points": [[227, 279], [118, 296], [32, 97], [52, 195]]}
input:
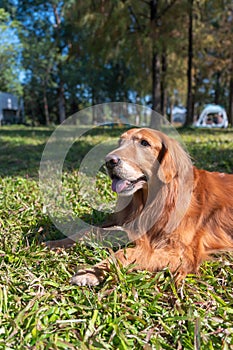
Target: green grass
{"points": [[39, 309]]}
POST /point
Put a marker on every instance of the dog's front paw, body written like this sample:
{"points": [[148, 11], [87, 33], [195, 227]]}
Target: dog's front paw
{"points": [[88, 277]]}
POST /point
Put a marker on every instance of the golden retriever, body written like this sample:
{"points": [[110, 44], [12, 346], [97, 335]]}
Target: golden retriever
{"points": [[176, 214]]}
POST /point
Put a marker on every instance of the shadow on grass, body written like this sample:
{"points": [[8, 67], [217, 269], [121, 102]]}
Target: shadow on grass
{"points": [[22, 148], [204, 131], [45, 230], [213, 159], [210, 149]]}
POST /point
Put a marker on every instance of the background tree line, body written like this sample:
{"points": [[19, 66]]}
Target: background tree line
{"points": [[63, 56]]}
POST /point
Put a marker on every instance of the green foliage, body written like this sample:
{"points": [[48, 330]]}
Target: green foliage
{"points": [[39, 309], [79, 53], [10, 49]]}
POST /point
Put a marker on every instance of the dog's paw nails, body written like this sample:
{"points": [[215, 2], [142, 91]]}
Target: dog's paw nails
{"points": [[85, 278]]}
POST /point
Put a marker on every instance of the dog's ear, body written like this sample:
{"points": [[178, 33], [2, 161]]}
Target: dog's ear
{"points": [[167, 169]]}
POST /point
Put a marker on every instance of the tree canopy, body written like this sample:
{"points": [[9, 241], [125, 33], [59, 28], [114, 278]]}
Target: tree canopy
{"points": [[71, 54], [10, 50]]}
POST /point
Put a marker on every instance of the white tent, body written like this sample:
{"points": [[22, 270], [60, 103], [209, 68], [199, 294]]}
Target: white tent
{"points": [[212, 116]]}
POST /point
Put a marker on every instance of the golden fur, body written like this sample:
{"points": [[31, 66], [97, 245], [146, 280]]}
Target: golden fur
{"points": [[176, 214]]}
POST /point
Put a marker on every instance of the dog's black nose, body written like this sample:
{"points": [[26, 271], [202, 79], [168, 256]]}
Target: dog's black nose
{"points": [[112, 160]]}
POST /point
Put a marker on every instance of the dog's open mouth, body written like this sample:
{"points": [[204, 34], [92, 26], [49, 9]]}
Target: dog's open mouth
{"points": [[123, 186]]}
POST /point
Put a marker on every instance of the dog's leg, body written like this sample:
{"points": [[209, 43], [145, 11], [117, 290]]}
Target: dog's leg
{"points": [[70, 241], [67, 242], [152, 261], [95, 275], [61, 243], [81, 235]]}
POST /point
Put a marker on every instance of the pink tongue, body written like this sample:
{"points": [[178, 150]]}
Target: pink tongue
{"points": [[119, 185]]}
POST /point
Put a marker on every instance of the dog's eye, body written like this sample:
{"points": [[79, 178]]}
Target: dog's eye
{"points": [[144, 143]]}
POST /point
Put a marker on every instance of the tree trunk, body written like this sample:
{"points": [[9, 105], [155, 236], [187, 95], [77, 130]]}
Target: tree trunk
{"points": [[46, 108], [171, 109], [61, 103], [189, 116], [162, 83], [155, 122], [155, 83], [61, 90], [217, 89], [93, 109]]}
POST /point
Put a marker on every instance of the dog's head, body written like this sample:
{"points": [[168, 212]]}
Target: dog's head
{"points": [[142, 155]]}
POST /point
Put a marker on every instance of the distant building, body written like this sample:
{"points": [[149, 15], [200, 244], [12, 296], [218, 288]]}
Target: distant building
{"points": [[11, 109]]}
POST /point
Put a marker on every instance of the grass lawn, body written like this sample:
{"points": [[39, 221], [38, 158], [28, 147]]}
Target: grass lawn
{"points": [[39, 309]]}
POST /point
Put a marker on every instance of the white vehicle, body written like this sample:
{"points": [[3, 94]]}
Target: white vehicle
{"points": [[212, 116]]}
